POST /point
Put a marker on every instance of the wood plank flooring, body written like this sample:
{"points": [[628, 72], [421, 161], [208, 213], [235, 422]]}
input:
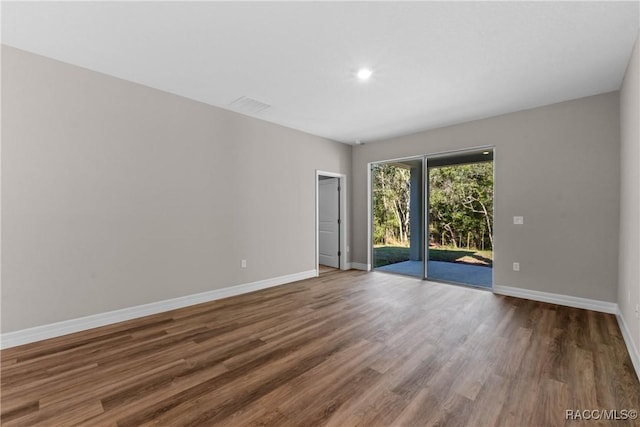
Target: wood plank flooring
{"points": [[344, 349], [323, 269]]}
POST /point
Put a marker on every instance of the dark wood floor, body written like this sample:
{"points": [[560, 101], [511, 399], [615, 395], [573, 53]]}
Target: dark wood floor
{"points": [[345, 349]]}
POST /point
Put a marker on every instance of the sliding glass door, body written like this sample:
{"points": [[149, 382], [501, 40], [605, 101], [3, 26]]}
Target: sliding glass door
{"points": [[432, 217]]}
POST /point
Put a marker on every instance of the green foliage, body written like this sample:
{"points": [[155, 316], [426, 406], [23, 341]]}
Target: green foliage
{"points": [[391, 204], [461, 205]]}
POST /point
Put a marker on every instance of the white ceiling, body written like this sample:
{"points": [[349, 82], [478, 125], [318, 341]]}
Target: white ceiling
{"points": [[435, 63]]}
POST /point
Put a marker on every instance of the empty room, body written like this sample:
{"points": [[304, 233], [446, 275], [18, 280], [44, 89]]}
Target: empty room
{"points": [[320, 213]]}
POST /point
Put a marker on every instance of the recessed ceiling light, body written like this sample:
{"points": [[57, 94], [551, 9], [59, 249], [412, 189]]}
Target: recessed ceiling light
{"points": [[364, 73]]}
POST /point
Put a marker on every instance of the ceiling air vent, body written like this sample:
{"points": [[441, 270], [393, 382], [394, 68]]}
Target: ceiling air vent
{"points": [[248, 105]]}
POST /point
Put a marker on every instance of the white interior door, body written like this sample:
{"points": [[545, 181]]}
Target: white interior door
{"points": [[329, 222]]}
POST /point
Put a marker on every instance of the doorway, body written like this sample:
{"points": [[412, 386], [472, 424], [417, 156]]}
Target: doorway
{"points": [[432, 217], [329, 221], [331, 224]]}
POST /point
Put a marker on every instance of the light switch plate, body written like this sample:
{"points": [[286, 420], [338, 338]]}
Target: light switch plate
{"points": [[518, 220]]}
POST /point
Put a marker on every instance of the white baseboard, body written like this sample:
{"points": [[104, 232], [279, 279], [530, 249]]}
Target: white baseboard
{"points": [[360, 266], [38, 333], [631, 347], [567, 300]]}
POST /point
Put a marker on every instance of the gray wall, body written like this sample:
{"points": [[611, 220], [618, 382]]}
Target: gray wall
{"points": [[558, 166], [629, 283], [115, 194]]}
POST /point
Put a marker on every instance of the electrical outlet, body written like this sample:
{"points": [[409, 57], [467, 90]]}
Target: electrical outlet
{"points": [[519, 220], [243, 263], [516, 266]]}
